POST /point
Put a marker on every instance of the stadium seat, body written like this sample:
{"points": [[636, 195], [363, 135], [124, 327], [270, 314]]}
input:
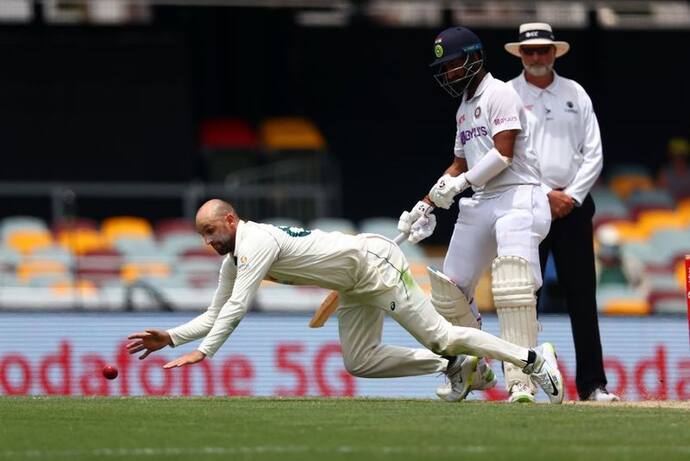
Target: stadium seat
{"points": [[178, 243], [621, 300], [172, 226], [9, 259], [652, 221], [228, 145], [100, 266], [26, 241], [12, 224], [134, 270], [81, 241], [290, 133], [71, 224], [131, 227], [41, 268], [52, 253], [641, 200]]}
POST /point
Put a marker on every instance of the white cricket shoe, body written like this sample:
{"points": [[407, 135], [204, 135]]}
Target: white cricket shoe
{"points": [[544, 372], [483, 379], [600, 394], [460, 375], [521, 393]]}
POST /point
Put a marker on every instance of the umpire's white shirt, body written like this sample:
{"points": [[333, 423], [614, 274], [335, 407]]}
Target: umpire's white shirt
{"points": [[565, 136], [493, 108], [287, 255]]}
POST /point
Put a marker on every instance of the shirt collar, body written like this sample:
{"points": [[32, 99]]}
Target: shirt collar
{"points": [[488, 78], [552, 88], [239, 236]]}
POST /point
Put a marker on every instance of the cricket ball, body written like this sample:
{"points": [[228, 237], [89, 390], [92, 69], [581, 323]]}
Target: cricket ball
{"points": [[109, 372]]}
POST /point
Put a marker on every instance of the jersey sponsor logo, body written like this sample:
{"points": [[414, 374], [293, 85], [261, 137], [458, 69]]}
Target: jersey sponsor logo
{"points": [[293, 231], [477, 112], [467, 135], [242, 263], [570, 107], [502, 120]]}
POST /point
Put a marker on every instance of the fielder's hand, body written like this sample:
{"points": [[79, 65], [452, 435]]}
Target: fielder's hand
{"points": [[422, 228], [187, 359], [148, 341], [446, 188], [408, 218]]}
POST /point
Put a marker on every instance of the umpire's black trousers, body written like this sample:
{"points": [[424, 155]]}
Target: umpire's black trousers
{"points": [[571, 242]]}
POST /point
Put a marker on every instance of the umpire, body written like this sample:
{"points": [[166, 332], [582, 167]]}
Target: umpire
{"points": [[568, 144]]}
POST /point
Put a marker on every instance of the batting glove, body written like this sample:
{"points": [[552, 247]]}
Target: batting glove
{"points": [[446, 188], [408, 218], [422, 228]]}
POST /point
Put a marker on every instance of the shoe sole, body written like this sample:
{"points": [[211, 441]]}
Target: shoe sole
{"points": [[450, 397], [521, 398]]}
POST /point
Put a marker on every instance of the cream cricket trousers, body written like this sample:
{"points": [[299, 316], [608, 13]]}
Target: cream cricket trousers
{"points": [[388, 288], [513, 223]]}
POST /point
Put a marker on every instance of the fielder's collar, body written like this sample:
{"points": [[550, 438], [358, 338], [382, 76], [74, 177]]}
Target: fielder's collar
{"points": [[536, 33]]}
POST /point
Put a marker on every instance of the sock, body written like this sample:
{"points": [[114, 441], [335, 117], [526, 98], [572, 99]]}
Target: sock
{"points": [[531, 357]]}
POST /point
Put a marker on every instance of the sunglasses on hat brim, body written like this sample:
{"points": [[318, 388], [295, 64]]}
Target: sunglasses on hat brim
{"points": [[540, 50]]}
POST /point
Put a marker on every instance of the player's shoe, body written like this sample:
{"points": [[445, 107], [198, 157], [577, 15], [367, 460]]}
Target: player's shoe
{"points": [[521, 393], [544, 372], [460, 374], [483, 379], [600, 394]]}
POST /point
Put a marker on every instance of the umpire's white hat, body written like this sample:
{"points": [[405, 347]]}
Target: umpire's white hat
{"points": [[536, 33]]}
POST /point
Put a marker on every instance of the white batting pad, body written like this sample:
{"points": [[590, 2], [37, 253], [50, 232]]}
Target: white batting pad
{"points": [[450, 301], [513, 287]]}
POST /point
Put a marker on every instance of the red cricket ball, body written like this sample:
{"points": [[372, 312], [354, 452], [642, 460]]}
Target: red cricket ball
{"points": [[109, 372]]}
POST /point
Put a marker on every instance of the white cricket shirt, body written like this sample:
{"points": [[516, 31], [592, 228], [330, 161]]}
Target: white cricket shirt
{"points": [[565, 136], [285, 255], [493, 108]]}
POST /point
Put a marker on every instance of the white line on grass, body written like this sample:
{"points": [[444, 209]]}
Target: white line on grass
{"points": [[262, 449]]}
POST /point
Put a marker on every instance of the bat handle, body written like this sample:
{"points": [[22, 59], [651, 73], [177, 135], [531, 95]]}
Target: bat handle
{"points": [[400, 238]]}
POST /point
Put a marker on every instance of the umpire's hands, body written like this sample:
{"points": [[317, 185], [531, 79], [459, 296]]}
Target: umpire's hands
{"points": [[561, 204], [148, 341]]}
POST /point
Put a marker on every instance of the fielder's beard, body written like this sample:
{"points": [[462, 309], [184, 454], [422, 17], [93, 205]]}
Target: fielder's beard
{"points": [[538, 70]]}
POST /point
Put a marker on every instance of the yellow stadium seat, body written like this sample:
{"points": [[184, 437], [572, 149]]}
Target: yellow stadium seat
{"points": [[629, 232], [28, 270], [26, 241], [683, 210], [290, 133], [131, 227], [627, 307], [81, 241], [650, 221], [80, 287], [625, 184], [133, 271]]}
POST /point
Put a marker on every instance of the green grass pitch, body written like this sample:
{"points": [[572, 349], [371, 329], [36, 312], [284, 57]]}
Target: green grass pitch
{"points": [[44, 428]]}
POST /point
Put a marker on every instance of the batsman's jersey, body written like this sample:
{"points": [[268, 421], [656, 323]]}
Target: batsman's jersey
{"points": [[288, 255], [493, 108]]}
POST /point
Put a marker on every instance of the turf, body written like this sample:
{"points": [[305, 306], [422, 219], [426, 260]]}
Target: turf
{"points": [[334, 429]]}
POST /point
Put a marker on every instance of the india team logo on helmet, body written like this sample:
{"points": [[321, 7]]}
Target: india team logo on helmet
{"points": [[438, 50]]}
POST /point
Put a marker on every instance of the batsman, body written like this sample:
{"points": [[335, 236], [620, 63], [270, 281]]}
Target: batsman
{"points": [[505, 219]]}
